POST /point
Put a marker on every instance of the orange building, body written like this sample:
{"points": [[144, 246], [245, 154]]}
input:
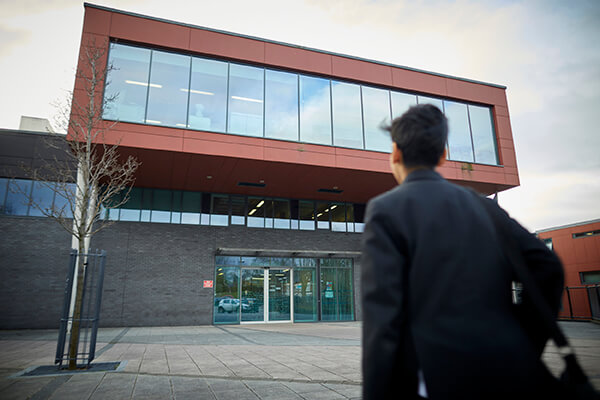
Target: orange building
{"points": [[578, 246]]}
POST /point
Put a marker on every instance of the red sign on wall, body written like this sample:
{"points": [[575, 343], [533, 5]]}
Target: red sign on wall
{"points": [[208, 284]]}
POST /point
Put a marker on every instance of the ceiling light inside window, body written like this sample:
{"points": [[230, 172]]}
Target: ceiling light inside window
{"points": [[197, 91], [154, 85], [247, 99]]}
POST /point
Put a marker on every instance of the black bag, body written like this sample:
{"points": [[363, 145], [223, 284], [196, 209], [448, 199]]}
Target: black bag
{"points": [[573, 381]]}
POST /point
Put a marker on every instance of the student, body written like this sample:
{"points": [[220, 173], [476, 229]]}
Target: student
{"points": [[438, 318]]}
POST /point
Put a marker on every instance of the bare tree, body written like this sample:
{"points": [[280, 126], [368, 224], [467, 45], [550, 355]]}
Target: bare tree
{"points": [[102, 178]]}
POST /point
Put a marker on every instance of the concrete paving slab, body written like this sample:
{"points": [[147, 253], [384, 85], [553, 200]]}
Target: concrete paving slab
{"points": [[272, 361]]}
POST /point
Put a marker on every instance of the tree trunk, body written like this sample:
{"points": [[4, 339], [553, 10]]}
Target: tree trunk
{"points": [[74, 341]]}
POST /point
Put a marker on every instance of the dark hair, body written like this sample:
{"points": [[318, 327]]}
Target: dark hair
{"points": [[421, 134]]}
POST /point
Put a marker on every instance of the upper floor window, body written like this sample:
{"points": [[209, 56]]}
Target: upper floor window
{"points": [[168, 89]]}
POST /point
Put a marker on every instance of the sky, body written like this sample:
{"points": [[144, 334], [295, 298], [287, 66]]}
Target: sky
{"points": [[546, 52]]}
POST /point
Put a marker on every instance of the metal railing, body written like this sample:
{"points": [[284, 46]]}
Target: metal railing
{"points": [[581, 303], [93, 279]]}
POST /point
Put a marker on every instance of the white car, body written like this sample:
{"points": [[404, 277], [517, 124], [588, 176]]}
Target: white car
{"points": [[229, 305]]}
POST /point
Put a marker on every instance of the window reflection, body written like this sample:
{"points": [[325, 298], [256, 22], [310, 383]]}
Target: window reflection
{"points": [[3, 190], [190, 208], [459, 133], [322, 215], [219, 210], [130, 211], [281, 211], [256, 212], [61, 205], [42, 197], [306, 216], [347, 116], [176, 207], [245, 100], [338, 217], [315, 110], [238, 210], [268, 213], [401, 102], [168, 92], [484, 139], [376, 111], [17, 198], [128, 83], [161, 206], [226, 300], [208, 95], [295, 107], [281, 105], [431, 100]]}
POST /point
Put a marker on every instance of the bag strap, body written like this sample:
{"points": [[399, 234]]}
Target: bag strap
{"points": [[515, 259]]}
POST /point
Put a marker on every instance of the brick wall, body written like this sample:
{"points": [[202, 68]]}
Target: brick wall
{"points": [[154, 272]]}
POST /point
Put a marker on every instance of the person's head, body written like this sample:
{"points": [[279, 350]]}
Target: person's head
{"points": [[419, 140]]}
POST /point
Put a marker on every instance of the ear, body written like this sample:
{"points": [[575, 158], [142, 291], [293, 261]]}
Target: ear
{"points": [[442, 159], [396, 157]]}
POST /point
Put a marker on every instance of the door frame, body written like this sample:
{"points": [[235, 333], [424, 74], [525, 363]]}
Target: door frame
{"points": [[266, 299]]}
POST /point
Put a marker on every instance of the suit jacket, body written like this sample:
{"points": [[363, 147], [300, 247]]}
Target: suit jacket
{"points": [[436, 296]]}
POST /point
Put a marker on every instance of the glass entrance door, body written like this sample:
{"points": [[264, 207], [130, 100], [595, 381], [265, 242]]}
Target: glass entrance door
{"points": [[266, 295]]}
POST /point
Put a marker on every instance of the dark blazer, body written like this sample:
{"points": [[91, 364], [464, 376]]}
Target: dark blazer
{"points": [[436, 296]]}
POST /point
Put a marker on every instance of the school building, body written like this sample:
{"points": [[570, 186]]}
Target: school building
{"points": [[258, 158]]}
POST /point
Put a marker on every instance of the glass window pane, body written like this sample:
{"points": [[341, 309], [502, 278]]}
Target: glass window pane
{"points": [[279, 294], [256, 212], [322, 215], [176, 206], [376, 111], [336, 294], [238, 210], [168, 93], [484, 139], [3, 190], [281, 105], [459, 134], [431, 100], [219, 210], [401, 102], [338, 217], [306, 214], [130, 211], [253, 294], [245, 100], [146, 205], [350, 217], [17, 198], [190, 208], [226, 304], [268, 213], [347, 115], [61, 204], [281, 210], [41, 197], [315, 110], [128, 81], [161, 206], [208, 95]]}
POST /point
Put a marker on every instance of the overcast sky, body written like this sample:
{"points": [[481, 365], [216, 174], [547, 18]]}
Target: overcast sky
{"points": [[546, 52]]}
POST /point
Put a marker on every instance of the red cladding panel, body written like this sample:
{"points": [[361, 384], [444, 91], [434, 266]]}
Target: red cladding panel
{"points": [[297, 59], [150, 31], [229, 46]]}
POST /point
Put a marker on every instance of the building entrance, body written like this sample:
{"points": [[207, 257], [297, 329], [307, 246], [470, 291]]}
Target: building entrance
{"points": [[251, 289], [266, 295]]}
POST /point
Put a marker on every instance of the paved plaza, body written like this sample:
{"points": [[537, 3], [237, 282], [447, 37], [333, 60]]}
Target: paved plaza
{"points": [[274, 361]]}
